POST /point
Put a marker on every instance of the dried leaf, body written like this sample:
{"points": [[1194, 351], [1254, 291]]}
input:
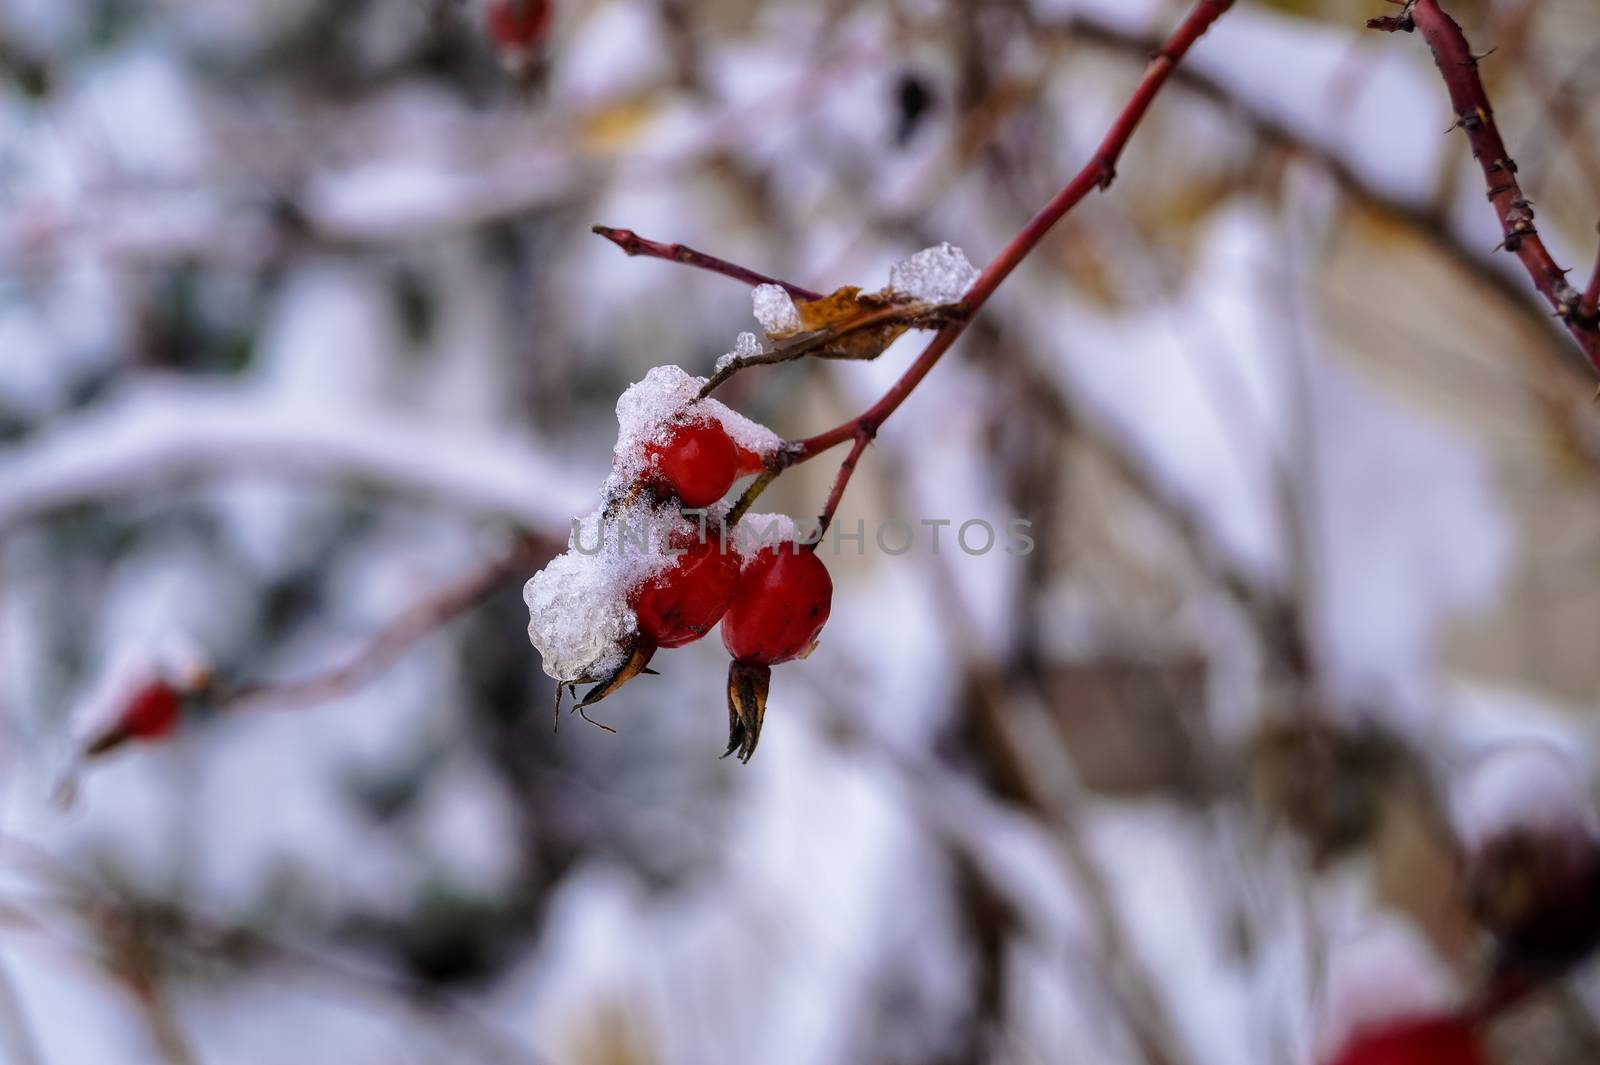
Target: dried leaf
{"points": [[838, 313]]}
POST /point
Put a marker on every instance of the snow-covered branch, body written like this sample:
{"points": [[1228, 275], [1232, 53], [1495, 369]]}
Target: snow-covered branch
{"points": [[164, 432]]}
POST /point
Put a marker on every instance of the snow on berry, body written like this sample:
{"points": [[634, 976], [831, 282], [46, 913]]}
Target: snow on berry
{"points": [[775, 310], [648, 411], [744, 346], [1532, 870], [581, 606], [940, 274], [758, 530], [139, 694], [1534, 790], [1377, 977], [579, 617]]}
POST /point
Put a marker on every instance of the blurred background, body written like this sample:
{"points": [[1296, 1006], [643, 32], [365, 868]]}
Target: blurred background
{"points": [[308, 357]]}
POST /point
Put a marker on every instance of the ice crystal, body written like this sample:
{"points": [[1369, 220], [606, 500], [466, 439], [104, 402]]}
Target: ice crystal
{"points": [[744, 346], [940, 274], [775, 310]]}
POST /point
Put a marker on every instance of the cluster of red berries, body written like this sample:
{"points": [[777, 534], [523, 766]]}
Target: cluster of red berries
{"points": [[772, 606]]}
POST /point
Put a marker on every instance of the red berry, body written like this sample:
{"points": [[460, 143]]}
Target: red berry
{"points": [[519, 25], [681, 604], [781, 605], [697, 463], [748, 461], [1416, 1041], [153, 711]]}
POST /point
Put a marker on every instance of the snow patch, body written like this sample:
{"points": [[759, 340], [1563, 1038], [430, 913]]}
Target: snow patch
{"points": [[775, 310], [940, 274]]}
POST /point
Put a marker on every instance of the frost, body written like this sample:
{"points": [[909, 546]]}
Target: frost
{"points": [[648, 408], [578, 613], [941, 274], [775, 310], [744, 346]]}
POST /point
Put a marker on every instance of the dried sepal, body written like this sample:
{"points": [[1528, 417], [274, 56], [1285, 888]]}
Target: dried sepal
{"points": [[748, 684], [640, 651]]}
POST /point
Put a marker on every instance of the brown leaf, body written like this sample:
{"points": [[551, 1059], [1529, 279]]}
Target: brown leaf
{"points": [[846, 316]]}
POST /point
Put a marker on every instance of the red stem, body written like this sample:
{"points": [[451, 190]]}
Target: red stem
{"points": [[1589, 305], [1459, 68], [1097, 174], [632, 243], [846, 468]]}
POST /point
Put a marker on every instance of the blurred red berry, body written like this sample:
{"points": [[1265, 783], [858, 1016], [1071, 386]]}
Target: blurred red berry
{"points": [[697, 463], [782, 602], [153, 711], [1416, 1041], [748, 461], [519, 25], [680, 605]]}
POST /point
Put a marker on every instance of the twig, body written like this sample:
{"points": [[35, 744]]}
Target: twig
{"points": [[890, 317], [1098, 173], [168, 432], [748, 499], [422, 618], [632, 243], [1558, 369], [1459, 68], [846, 468]]}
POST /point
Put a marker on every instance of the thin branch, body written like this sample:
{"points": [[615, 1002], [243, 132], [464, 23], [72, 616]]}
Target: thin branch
{"points": [[1556, 365], [171, 431], [748, 499], [840, 482], [1098, 173], [1459, 68], [632, 243], [423, 618]]}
